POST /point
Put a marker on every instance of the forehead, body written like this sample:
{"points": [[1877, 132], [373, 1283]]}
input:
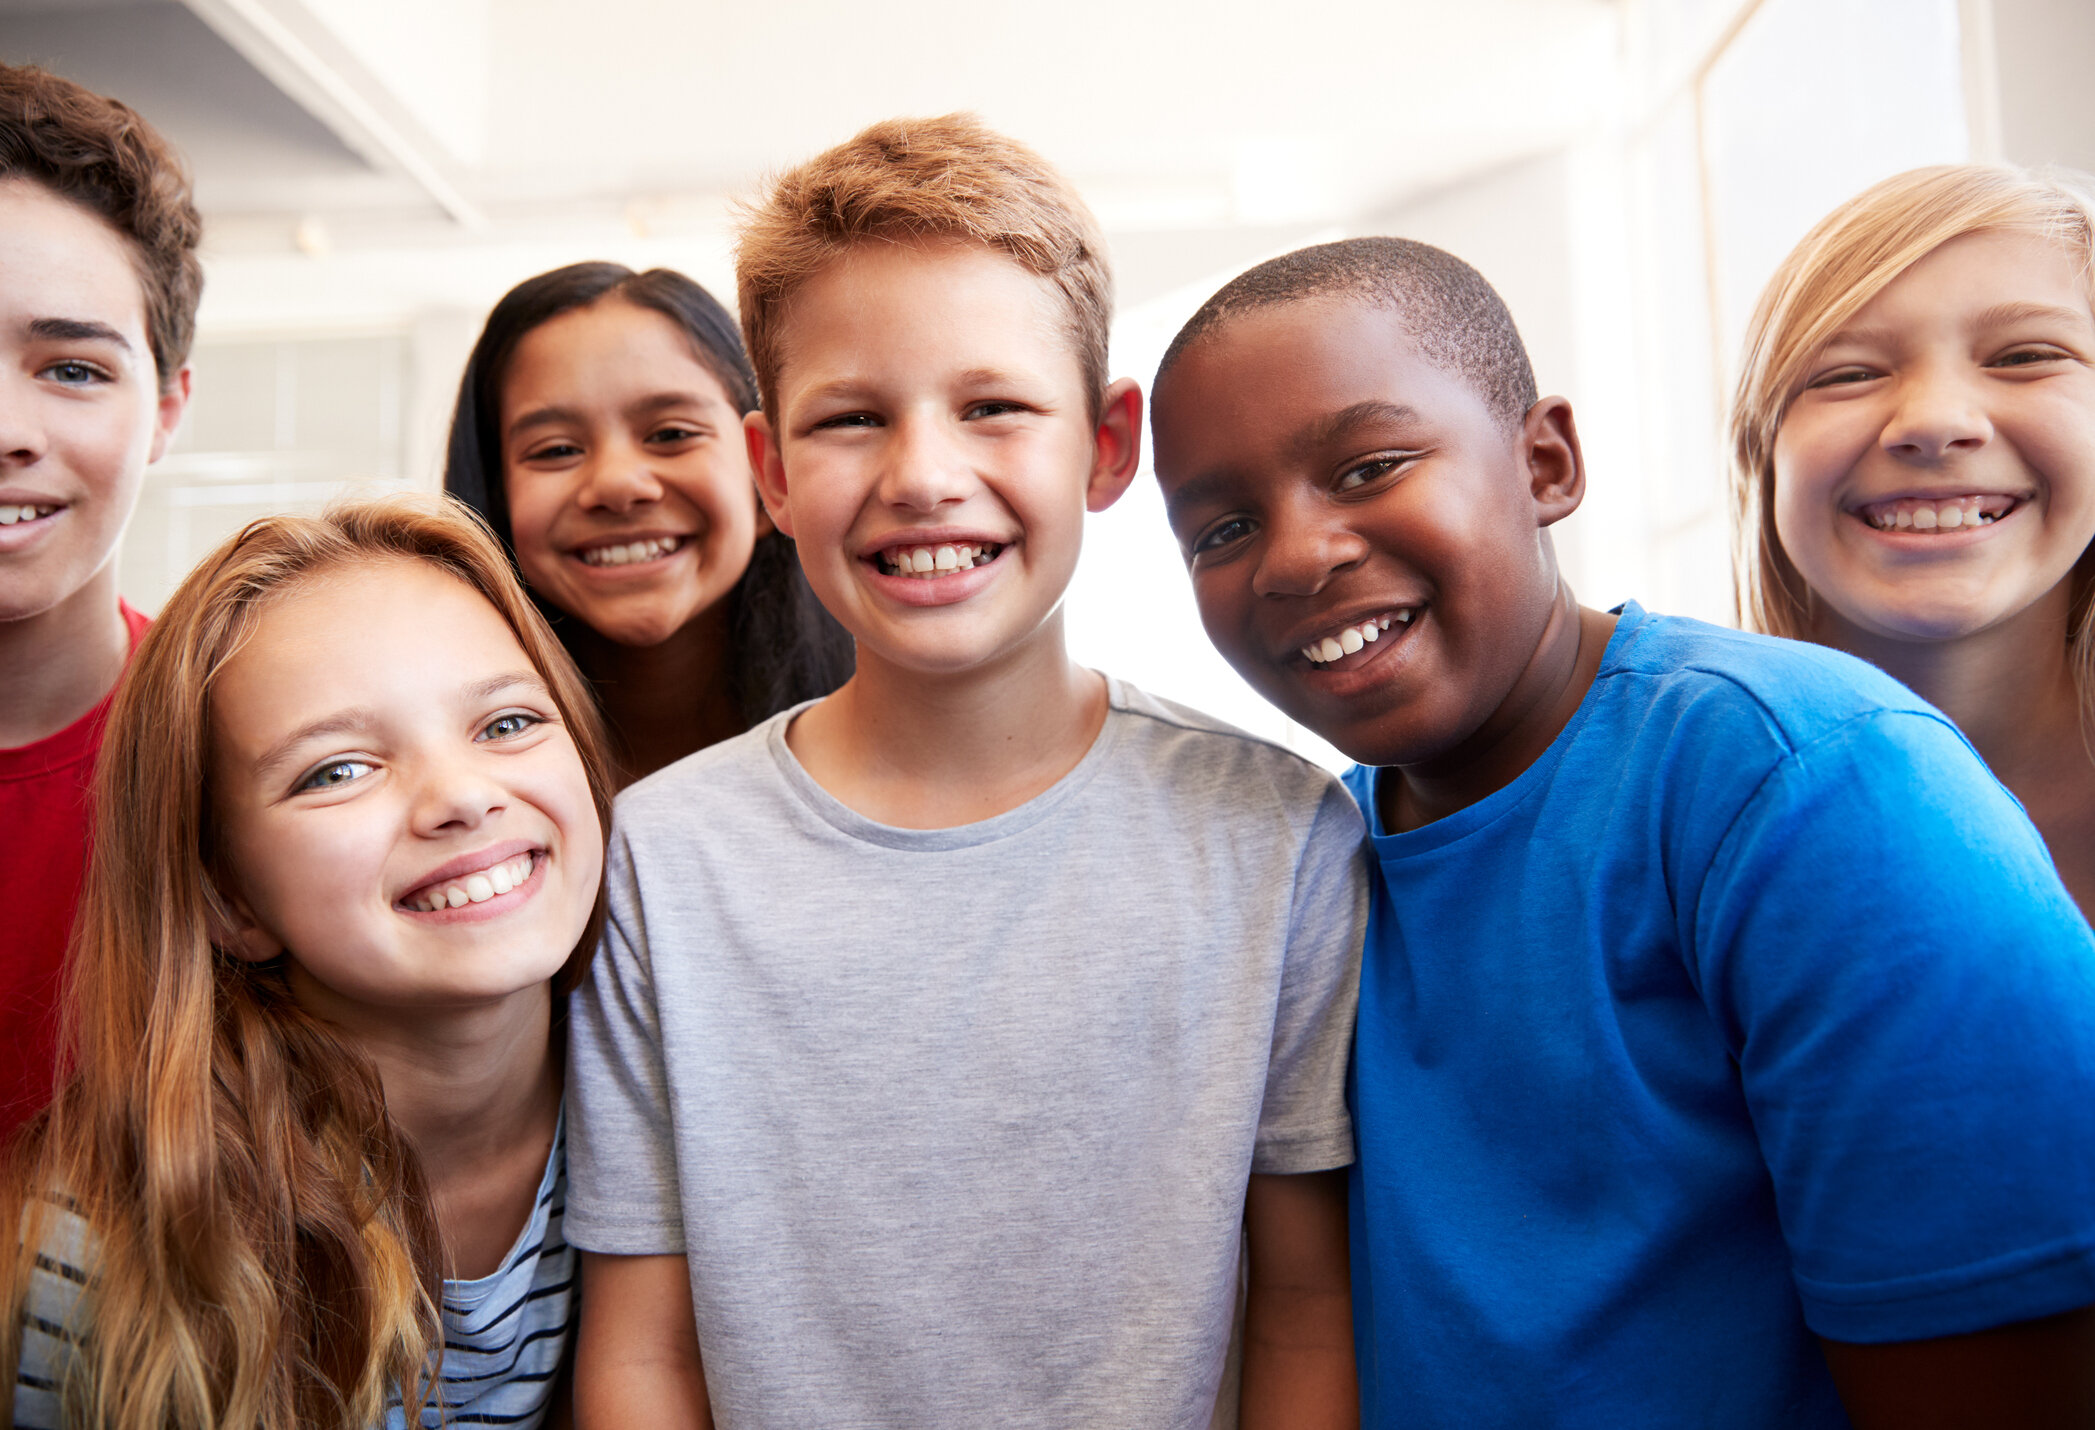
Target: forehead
{"points": [[1976, 272], [59, 259], [600, 351], [941, 304], [1273, 384], [387, 631]]}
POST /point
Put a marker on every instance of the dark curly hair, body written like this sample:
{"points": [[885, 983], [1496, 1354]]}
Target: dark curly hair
{"points": [[785, 647], [102, 156]]}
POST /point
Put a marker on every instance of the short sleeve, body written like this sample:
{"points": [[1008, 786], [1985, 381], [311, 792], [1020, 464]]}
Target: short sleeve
{"points": [[622, 1181], [1303, 1123], [1910, 994]]}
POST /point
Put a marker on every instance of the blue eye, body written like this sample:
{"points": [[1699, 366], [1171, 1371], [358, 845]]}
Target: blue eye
{"points": [[336, 774], [73, 373], [509, 725]]}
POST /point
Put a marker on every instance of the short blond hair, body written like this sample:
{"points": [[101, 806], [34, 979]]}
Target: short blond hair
{"points": [[910, 180], [1854, 254]]}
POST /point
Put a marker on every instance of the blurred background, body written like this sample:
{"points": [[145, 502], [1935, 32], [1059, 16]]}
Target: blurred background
{"points": [[375, 173]]}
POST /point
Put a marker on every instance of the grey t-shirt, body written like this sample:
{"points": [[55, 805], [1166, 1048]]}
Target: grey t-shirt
{"points": [[954, 1125]]}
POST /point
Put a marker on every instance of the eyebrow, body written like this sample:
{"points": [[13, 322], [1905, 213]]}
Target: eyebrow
{"points": [[359, 719], [2002, 314], [551, 416], [1372, 412], [76, 330]]}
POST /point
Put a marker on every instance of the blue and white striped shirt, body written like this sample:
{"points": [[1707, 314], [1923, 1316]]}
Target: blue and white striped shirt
{"points": [[505, 1335]]}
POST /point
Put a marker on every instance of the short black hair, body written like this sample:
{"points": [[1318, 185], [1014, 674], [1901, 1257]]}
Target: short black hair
{"points": [[1457, 319]]}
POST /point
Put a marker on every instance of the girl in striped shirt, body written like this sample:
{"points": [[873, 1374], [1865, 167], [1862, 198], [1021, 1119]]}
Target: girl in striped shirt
{"points": [[306, 1165]]}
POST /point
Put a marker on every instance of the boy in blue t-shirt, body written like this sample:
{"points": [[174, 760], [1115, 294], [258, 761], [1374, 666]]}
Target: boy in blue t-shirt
{"points": [[1726, 1049]]}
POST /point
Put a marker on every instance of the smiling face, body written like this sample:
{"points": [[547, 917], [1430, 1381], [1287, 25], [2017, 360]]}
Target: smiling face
{"points": [[81, 410], [1935, 476], [935, 454], [406, 816], [630, 501], [1363, 541]]}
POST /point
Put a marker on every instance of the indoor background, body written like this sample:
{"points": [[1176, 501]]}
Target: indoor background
{"points": [[375, 173]]}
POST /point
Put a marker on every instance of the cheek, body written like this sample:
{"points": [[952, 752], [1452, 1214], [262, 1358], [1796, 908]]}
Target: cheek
{"points": [[533, 503]]}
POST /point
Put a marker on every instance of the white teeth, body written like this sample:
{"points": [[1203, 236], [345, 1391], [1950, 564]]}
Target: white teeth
{"points": [[626, 553], [9, 515], [936, 560], [475, 888], [1950, 514], [1351, 639]]}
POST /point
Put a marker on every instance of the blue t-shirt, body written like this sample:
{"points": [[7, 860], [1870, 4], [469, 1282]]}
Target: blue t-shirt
{"points": [[1753, 1009]]}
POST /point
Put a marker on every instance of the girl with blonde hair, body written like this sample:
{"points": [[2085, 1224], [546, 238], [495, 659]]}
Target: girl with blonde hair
{"points": [[1913, 444], [306, 1167]]}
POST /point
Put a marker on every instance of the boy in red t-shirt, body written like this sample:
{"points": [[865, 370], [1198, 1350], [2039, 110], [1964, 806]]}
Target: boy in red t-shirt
{"points": [[98, 289]]}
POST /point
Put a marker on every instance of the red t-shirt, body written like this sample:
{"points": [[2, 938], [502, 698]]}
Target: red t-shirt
{"points": [[44, 791]]}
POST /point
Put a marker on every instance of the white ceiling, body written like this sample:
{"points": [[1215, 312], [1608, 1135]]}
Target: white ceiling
{"points": [[479, 136]]}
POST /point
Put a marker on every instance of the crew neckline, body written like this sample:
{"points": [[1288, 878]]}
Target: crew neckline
{"points": [[848, 821], [1473, 819]]}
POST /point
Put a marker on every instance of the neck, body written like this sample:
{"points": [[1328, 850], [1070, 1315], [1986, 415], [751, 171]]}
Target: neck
{"points": [[2009, 687], [931, 752], [661, 702], [469, 1087], [1543, 698], [57, 665]]}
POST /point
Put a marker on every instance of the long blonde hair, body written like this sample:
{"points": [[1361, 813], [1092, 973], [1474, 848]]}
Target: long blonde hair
{"points": [[1853, 254], [264, 1253]]}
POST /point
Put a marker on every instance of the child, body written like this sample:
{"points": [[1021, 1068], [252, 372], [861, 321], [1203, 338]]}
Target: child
{"points": [[98, 290], [1914, 444], [347, 856], [1715, 998], [951, 1033], [599, 432]]}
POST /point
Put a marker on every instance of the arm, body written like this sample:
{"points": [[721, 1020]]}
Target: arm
{"points": [[2033, 1375], [1298, 1311], [636, 1359]]}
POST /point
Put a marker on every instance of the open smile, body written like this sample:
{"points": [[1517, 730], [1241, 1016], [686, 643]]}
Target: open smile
{"points": [[1337, 649], [480, 893], [1937, 516], [928, 563], [22, 522], [629, 551]]}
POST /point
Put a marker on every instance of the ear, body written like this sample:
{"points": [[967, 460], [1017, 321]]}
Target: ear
{"points": [[233, 927], [1556, 468], [168, 416], [768, 465], [1116, 447]]}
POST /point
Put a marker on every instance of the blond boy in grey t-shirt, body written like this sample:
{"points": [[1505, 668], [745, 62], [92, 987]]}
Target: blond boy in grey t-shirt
{"points": [[952, 1034]]}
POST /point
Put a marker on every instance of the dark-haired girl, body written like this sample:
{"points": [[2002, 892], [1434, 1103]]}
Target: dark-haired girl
{"points": [[599, 431]]}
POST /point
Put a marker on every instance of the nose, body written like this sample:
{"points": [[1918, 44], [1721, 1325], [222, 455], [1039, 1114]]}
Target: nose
{"points": [[923, 466], [1938, 413], [21, 434], [454, 795], [618, 478], [1302, 550]]}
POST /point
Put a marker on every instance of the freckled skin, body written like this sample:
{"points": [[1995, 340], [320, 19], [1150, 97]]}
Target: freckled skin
{"points": [[1319, 470]]}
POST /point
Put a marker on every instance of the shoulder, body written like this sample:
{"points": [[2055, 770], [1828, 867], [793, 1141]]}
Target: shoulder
{"points": [[1207, 765], [716, 774], [1801, 692], [55, 1311]]}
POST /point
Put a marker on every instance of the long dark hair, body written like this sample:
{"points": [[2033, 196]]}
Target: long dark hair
{"points": [[785, 647]]}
